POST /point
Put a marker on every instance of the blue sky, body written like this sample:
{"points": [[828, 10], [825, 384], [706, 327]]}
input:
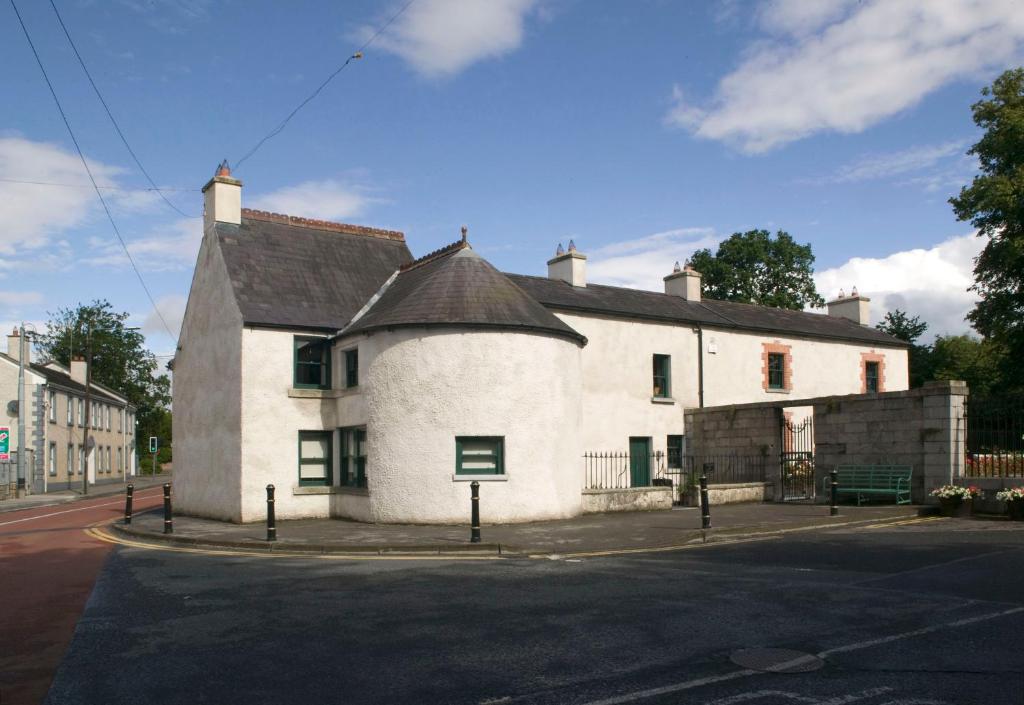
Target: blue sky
{"points": [[642, 130]]}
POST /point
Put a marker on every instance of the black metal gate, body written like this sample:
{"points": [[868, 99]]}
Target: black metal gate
{"points": [[797, 459]]}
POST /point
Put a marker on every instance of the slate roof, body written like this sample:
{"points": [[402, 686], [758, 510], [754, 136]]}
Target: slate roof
{"points": [[63, 380], [648, 305], [309, 274], [455, 286]]}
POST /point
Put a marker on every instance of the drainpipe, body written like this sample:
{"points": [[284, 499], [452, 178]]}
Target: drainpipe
{"points": [[700, 366]]}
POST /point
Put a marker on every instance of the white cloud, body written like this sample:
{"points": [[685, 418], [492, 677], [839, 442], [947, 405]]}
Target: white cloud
{"points": [[442, 37], [31, 214], [857, 66], [931, 283], [172, 308], [913, 159], [166, 247], [322, 200], [644, 262]]}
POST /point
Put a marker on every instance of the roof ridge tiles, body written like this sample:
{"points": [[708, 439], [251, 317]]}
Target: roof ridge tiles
{"points": [[314, 224], [435, 255]]}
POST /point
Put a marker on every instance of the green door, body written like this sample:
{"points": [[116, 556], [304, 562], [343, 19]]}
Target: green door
{"points": [[639, 462]]}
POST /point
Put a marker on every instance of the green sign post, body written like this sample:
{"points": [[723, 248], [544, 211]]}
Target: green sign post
{"points": [[5, 443]]}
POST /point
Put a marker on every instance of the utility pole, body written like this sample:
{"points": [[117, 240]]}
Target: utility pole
{"points": [[21, 480], [85, 429]]}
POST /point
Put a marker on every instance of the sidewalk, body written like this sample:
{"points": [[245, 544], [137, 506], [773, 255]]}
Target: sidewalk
{"points": [[106, 489], [592, 533]]}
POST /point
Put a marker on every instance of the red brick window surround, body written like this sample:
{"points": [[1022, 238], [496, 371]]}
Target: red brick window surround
{"points": [[865, 358], [787, 373]]}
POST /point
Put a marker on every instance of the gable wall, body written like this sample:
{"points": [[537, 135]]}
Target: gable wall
{"points": [[207, 394]]}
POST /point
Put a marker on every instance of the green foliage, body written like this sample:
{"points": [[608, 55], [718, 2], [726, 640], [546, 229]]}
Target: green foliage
{"points": [[994, 204], [120, 361], [899, 325], [753, 267], [975, 361]]}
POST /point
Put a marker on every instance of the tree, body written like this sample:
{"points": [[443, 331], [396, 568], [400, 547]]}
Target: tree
{"points": [[975, 361], [994, 204], [899, 325], [120, 360], [755, 268]]}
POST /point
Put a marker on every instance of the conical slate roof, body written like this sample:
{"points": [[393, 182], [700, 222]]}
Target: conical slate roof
{"points": [[457, 287]]}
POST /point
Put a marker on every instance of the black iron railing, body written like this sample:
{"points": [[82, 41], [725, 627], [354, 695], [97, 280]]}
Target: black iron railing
{"points": [[620, 470], [995, 437]]}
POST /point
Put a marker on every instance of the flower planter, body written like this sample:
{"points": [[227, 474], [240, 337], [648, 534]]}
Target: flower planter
{"points": [[955, 507]]}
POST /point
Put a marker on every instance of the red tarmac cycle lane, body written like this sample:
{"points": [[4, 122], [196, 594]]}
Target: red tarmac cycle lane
{"points": [[48, 566]]}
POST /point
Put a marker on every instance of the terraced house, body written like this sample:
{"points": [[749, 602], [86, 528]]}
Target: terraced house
{"points": [[363, 383], [58, 443]]}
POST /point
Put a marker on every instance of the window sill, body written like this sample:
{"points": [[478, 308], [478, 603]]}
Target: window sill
{"points": [[298, 393], [778, 391], [479, 478], [329, 489], [662, 400]]}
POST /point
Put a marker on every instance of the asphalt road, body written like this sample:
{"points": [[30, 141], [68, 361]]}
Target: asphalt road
{"points": [[928, 612], [47, 569]]}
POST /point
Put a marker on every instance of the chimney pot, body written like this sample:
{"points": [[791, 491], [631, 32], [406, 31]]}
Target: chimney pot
{"points": [[854, 307], [569, 266], [683, 282]]}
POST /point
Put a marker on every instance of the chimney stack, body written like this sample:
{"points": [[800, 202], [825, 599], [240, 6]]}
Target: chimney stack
{"points": [[222, 198], [14, 347], [78, 369], [683, 282], [855, 307], [568, 265]]}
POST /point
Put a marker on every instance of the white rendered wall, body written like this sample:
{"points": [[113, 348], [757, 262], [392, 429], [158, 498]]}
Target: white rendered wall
{"points": [[617, 381], [733, 374], [207, 395], [424, 387]]}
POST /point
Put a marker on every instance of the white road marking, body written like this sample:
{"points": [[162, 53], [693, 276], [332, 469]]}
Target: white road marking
{"points": [[933, 565], [710, 680], [797, 697], [66, 511]]}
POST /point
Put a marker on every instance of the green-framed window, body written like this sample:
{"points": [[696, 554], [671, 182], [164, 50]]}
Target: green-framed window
{"points": [[352, 465], [315, 457], [674, 446], [312, 363], [352, 367], [662, 376], [479, 455], [776, 371], [871, 376]]}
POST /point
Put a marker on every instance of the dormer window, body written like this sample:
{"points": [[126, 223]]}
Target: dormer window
{"points": [[312, 363]]}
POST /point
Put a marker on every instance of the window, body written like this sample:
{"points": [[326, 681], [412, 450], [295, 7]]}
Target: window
{"points": [[312, 363], [662, 376], [52, 398], [81, 412], [675, 451], [71, 460], [107, 413], [314, 457], [479, 455], [120, 420], [776, 370], [51, 460], [81, 458], [120, 461], [353, 457], [871, 376], [71, 411], [352, 368]]}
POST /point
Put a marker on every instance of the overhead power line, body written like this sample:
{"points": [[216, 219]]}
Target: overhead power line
{"points": [[92, 179], [357, 54], [111, 115]]}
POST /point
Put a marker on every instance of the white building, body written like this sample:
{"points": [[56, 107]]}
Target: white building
{"points": [[323, 359]]}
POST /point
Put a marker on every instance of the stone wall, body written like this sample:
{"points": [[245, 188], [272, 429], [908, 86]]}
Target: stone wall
{"points": [[743, 430], [923, 428], [632, 499]]}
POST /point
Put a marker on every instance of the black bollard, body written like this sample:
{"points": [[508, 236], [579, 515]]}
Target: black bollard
{"points": [[271, 522], [474, 528], [705, 506], [128, 491], [834, 509], [168, 521]]}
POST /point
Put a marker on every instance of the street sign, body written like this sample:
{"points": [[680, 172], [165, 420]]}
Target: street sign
{"points": [[5, 443], [152, 444]]}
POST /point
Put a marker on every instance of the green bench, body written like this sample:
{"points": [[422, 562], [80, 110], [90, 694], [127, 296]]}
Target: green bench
{"points": [[872, 480]]}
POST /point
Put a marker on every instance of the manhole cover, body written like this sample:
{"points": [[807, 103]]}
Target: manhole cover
{"points": [[777, 660]]}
